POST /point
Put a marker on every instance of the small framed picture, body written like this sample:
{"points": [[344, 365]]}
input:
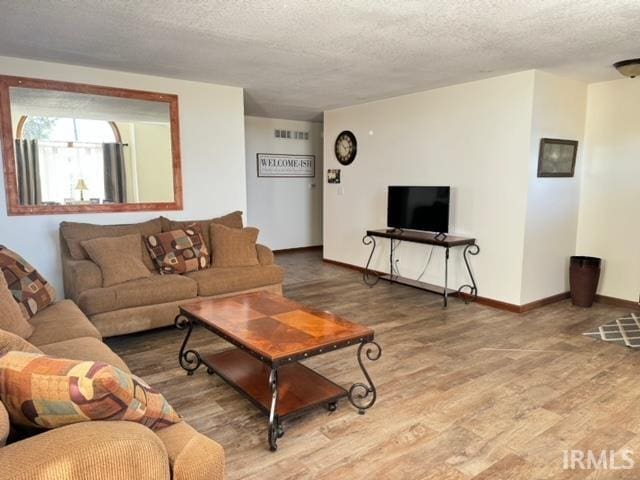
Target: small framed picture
{"points": [[333, 175], [557, 158]]}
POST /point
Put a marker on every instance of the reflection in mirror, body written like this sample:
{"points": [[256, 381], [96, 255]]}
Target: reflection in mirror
{"points": [[84, 149]]}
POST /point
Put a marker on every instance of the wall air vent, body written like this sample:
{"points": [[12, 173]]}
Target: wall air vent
{"points": [[288, 134]]}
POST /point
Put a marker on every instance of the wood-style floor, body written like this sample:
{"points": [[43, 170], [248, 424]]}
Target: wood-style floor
{"points": [[468, 392]]}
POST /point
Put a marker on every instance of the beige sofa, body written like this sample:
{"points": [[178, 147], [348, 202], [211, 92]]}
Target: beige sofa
{"points": [[115, 450], [153, 302]]}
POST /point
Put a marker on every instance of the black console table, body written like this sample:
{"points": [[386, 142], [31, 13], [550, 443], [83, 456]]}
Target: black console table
{"points": [[427, 238]]}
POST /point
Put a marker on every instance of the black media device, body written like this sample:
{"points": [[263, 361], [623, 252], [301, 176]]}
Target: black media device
{"points": [[419, 208]]}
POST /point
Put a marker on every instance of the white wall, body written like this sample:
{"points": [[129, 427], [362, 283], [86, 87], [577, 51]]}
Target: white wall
{"points": [[213, 167], [288, 211], [475, 137], [552, 203], [608, 225]]}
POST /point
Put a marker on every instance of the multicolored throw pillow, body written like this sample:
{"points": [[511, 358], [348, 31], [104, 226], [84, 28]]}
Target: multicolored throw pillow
{"points": [[46, 392], [12, 318], [179, 251], [32, 292]]}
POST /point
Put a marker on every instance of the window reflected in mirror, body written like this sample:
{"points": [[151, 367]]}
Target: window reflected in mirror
{"points": [[74, 148], [77, 149]]}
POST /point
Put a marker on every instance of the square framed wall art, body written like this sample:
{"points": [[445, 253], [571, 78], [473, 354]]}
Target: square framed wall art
{"points": [[557, 158]]}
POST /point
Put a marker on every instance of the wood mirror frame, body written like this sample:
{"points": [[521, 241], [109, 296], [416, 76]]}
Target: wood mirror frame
{"points": [[9, 160]]}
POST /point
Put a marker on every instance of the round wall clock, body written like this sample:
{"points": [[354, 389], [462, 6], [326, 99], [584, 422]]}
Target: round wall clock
{"points": [[346, 147]]}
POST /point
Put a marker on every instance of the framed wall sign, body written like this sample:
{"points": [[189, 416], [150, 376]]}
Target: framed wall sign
{"points": [[280, 165], [557, 158]]}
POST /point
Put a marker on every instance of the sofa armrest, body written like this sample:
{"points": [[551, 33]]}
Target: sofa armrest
{"points": [[192, 455], [80, 275], [265, 255], [89, 450]]}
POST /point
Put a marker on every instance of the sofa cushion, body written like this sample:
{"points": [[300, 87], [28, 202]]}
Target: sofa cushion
{"points": [[9, 341], [231, 220], [46, 392], [179, 251], [12, 319], [119, 258], [233, 247], [85, 349], [80, 275], [216, 281], [5, 425], [30, 289], [146, 291], [74, 233], [61, 321], [265, 255]]}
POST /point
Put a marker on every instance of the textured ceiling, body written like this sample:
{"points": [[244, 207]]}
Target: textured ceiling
{"points": [[298, 58]]}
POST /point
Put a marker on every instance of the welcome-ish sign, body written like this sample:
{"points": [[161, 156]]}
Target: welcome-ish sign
{"points": [[276, 165]]}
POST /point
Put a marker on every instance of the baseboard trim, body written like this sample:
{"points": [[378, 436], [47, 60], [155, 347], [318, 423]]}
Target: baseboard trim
{"points": [[617, 302], [544, 301], [488, 302], [349, 266], [298, 249]]}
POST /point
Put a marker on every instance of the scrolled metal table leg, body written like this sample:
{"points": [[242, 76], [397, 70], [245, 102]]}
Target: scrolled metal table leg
{"points": [[366, 274], [275, 430], [189, 359], [472, 249], [361, 395]]}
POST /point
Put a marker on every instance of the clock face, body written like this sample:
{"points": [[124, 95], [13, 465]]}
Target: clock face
{"points": [[346, 147]]}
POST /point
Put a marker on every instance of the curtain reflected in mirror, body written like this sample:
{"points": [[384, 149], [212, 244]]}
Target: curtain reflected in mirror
{"points": [[84, 149], [28, 168]]}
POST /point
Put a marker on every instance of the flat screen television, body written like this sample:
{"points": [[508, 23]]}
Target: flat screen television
{"points": [[418, 208]]}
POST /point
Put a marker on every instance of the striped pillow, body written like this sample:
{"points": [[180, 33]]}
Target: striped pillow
{"points": [[46, 392]]}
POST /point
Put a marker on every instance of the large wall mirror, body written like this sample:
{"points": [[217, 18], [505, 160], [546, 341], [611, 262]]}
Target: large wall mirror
{"points": [[72, 148]]}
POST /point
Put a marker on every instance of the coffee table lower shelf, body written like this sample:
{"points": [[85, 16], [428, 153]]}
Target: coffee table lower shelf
{"points": [[299, 387]]}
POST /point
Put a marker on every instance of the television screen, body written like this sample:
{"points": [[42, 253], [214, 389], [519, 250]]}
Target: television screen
{"points": [[418, 208]]}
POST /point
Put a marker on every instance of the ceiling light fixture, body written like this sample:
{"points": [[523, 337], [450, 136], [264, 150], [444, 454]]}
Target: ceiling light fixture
{"points": [[629, 68]]}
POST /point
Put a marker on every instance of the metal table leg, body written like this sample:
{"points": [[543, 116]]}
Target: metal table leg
{"points": [[446, 277], [359, 392], [472, 249], [275, 427], [189, 359], [367, 274]]}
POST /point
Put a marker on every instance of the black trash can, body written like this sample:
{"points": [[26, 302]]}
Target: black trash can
{"points": [[584, 273]]}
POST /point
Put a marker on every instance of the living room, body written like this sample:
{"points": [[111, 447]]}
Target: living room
{"points": [[205, 277]]}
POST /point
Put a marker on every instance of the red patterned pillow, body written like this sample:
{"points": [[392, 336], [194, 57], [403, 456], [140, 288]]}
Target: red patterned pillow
{"points": [[178, 251], [32, 292], [47, 392]]}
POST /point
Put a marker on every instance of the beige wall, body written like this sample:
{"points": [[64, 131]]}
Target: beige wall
{"points": [[610, 201], [212, 141], [154, 168], [474, 137], [552, 203], [288, 211], [482, 139]]}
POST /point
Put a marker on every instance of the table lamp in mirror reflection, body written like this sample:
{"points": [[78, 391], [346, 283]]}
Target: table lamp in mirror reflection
{"points": [[81, 186]]}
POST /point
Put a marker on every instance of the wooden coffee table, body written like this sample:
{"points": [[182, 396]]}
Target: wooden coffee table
{"points": [[272, 335]]}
